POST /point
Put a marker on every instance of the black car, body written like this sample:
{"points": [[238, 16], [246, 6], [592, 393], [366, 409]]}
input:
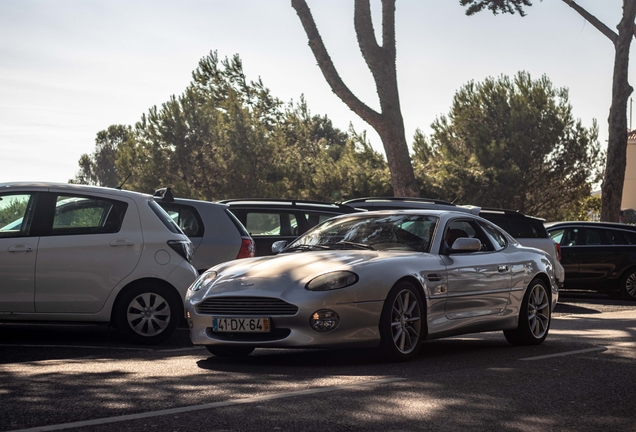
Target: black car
{"points": [[598, 256], [271, 220]]}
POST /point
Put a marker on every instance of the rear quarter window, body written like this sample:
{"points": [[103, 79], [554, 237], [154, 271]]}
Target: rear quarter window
{"points": [[164, 217]]}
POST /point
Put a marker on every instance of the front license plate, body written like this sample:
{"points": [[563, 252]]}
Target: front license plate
{"points": [[241, 325]]}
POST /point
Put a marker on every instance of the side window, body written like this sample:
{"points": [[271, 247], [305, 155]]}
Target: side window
{"points": [[592, 237], [268, 224], [630, 237], [613, 237], [557, 235], [569, 237], [314, 219], [497, 238], [87, 215], [16, 214], [466, 229]]}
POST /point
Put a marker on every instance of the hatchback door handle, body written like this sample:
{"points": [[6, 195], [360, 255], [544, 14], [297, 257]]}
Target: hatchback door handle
{"points": [[20, 248], [502, 268], [122, 243]]}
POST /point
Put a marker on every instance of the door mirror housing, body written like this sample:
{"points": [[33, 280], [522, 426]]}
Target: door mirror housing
{"points": [[278, 246], [466, 245]]}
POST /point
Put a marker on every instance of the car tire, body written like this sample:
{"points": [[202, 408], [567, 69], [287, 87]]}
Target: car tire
{"points": [[230, 351], [628, 285], [148, 313], [402, 323], [534, 316]]}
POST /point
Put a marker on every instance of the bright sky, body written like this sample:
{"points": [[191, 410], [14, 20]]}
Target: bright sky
{"points": [[71, 68]]}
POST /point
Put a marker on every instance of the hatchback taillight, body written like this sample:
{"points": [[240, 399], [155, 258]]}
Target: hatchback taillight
{"points": [[183, 248], [558, 251], [248, 249]]}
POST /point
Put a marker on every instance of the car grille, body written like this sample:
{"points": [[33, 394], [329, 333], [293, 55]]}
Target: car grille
{"points": [[245, 306]]}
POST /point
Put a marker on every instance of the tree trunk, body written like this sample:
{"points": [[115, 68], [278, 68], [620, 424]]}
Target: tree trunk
{"points": [[381, 61], [612, 189], [617, 144]]}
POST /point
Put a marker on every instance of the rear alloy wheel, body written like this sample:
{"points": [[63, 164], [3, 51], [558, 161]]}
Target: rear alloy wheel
{"points": [[148, 313], [628, 285], [401, 323], [230, 351], [534, 316]]}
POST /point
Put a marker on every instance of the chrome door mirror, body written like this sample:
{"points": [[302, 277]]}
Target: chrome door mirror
{"points": [[466, 245], [278, 246]]}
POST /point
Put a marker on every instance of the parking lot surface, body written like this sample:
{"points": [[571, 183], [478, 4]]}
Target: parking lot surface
{"points": [[83, 378]]}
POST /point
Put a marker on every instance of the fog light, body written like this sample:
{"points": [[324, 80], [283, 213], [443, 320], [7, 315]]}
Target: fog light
{"points": [[324, 320]]}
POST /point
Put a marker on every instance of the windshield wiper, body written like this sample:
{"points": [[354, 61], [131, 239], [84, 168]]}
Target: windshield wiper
{"points": [[306, 247], [356, 245]]}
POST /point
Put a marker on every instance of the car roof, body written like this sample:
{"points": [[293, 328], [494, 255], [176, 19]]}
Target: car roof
{"points": [[591, 224], [68, 186], [409, 203]]}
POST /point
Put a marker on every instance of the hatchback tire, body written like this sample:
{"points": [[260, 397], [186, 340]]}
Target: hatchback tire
{"points": [[534, 316], [148, 313]]}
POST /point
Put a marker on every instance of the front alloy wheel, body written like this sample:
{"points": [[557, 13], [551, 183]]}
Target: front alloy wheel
{"points": [[401, 323], [534, 317], [629, 286], [147, 313]]}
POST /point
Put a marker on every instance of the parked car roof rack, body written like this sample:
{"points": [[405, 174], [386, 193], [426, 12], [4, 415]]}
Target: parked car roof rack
{"points": [[402, 199], [290, 202], [509, 212]]}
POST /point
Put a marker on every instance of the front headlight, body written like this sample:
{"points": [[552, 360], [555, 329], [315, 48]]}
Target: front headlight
{"points": [[332, 281], [203, 281]]}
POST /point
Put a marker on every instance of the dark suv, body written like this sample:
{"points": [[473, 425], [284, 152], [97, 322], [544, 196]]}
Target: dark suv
{"points": [[528, 230], [271, 220]]}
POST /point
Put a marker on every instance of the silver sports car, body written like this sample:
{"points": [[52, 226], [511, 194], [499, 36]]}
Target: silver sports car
{"points": [[389, 279]]}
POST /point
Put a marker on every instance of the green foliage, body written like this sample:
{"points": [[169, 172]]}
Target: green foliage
{"points": [[226, 137], [99, 168], [510, 143], [587, 209], [496, 6]]}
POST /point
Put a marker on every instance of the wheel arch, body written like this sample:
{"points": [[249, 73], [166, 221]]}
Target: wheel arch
{"points": [[142, 281]]}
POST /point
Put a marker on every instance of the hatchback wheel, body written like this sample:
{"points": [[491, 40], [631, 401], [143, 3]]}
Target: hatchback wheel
{"points": [[534, 317], [148, 313], [402, 323], [628, 285]]}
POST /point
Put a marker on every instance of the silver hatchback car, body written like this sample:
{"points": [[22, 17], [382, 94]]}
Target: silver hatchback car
{"points": [[92, 254]]}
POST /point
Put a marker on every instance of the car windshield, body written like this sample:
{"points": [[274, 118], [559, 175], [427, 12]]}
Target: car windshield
{"points": [[372, 232]]}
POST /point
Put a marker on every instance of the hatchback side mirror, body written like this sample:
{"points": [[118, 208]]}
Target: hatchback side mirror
{"points": [[278, 246]]}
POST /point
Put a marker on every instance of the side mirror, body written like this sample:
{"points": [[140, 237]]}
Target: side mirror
{"points": [[278, 246], [464, 244]]}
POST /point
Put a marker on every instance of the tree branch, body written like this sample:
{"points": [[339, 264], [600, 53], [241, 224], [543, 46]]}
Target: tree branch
{"points": [[612, 35], [328, 69]]}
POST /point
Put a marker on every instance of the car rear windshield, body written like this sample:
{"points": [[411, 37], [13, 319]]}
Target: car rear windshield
{"points": [[516, 225]]}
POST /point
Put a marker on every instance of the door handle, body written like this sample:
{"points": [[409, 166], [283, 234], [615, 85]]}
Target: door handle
{"points": [[502, 268], [122, 243], [20, 248]]}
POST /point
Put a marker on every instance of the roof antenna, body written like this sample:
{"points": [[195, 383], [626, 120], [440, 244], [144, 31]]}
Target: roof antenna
{"points": [[122, 183]]}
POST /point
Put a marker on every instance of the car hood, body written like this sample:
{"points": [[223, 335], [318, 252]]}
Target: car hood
{"points": [[285, 271]]}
